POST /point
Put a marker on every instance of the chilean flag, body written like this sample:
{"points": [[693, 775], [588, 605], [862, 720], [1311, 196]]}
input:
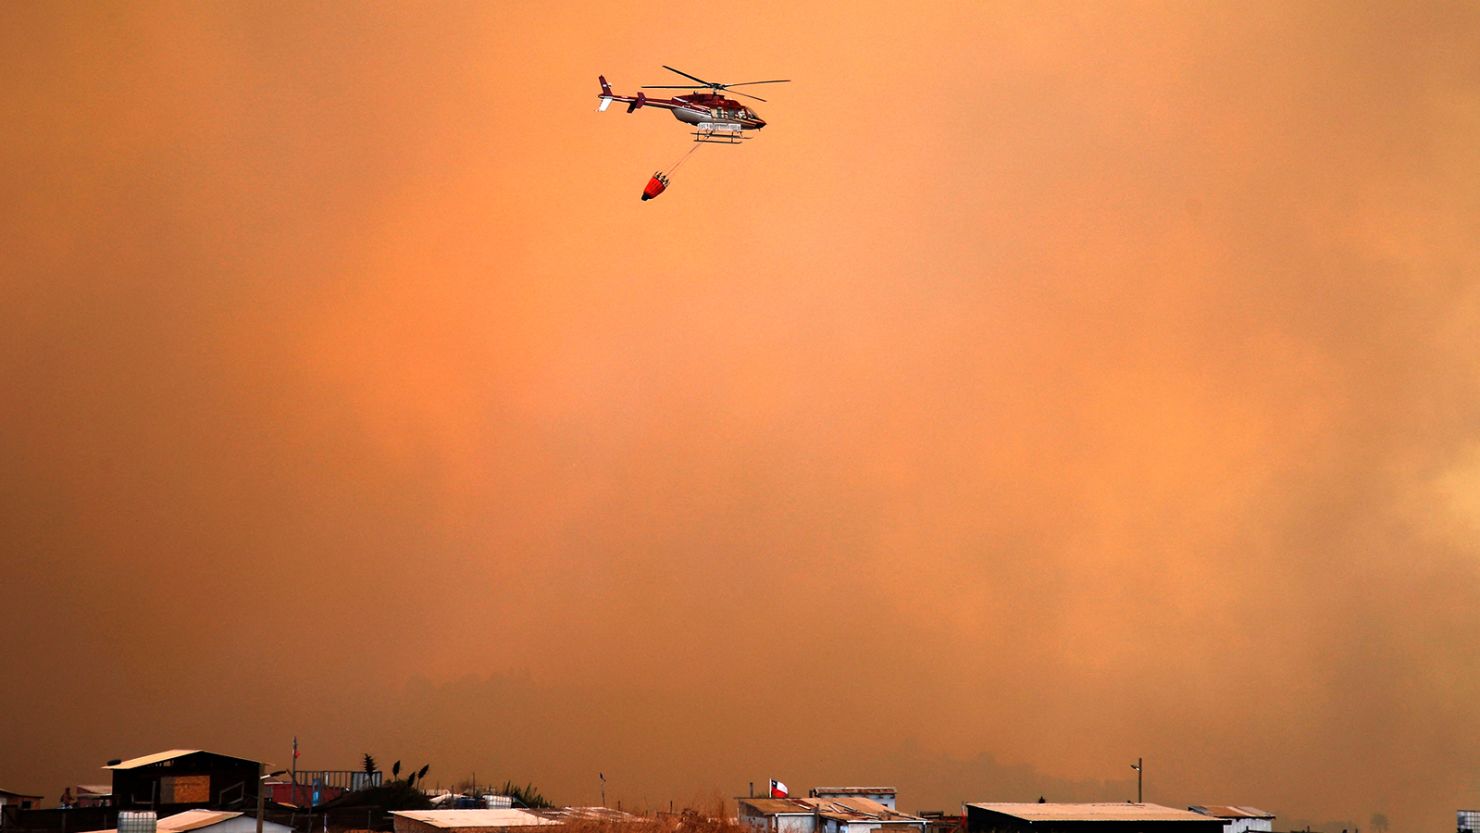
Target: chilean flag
{"points": [[778, 789]]}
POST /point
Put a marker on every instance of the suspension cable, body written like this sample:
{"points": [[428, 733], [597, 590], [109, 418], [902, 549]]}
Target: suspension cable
{"points": [[684, 158]]}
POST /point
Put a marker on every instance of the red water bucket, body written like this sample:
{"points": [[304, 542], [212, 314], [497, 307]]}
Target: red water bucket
{"points": [[655, 186]]}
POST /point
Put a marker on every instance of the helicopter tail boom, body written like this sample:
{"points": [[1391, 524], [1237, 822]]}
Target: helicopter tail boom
{"points": [[607, 96]]}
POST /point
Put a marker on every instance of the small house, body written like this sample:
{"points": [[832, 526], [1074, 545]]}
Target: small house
{"points": [[183, 779], [1238, 818]]}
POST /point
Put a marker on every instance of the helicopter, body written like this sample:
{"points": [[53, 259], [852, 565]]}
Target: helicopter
{"points": [[715, 118]]}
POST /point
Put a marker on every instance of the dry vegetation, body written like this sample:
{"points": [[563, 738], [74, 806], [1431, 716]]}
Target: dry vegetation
{"points": [[711, 820]]}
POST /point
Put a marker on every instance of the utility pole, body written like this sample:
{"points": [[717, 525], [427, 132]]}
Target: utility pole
{"points": [[1139, 767], [261, 783], [262, 776]]}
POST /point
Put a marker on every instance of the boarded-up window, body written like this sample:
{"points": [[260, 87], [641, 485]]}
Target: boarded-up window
{"points": [[185, 789]]}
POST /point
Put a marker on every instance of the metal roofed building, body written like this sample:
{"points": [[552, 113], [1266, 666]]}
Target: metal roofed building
{"points": [[850, 814], [1099, 817], [776, 815], [883, 795], [855, 814], [182, 779], [1237, 818], [1467, 821]]}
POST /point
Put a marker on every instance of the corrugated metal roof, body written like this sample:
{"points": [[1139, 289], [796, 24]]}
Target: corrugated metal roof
{"points": [[1232, 811], [778, 806], [18, 795], [858, 808], [843, 808], [152, 759], [1098, 811], [94, 789], [194, 820], [475, 818], [158, 757]]}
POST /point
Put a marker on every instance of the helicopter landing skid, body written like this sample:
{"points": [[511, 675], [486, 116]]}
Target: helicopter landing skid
{"points": [[718, 133]]}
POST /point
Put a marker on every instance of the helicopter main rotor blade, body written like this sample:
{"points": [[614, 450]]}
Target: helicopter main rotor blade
{"points": [[747, 95], [672, 87], [688, 76], [748, 83]]}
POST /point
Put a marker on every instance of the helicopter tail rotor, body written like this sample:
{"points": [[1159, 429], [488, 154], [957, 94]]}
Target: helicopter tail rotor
{"points": [[605, 95]]}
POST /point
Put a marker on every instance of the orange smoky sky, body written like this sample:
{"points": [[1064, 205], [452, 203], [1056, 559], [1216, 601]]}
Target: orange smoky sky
{"points": [[1050, 384]]}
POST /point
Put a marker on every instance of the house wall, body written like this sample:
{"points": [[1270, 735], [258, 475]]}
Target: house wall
{"points": [[1248, 826], [405, 825], [760, 822], [872, 826], [201, 779]]}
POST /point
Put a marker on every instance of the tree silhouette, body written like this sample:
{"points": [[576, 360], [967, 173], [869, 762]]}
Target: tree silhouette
{"points": [[525, 796]]}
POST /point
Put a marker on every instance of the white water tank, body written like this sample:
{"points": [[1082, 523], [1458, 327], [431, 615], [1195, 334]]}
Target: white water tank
{"points": [[137, 821]]}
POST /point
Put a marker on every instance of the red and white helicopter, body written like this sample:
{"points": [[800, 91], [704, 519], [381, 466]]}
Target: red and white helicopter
{"points": [[715, 118]]}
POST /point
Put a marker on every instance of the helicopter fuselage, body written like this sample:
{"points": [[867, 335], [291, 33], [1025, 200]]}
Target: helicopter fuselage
{"points": [[698, 109], [715, 109]]}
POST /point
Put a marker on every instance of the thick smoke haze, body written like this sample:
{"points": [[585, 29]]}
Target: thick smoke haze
{"points": [[1049, 385]]}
